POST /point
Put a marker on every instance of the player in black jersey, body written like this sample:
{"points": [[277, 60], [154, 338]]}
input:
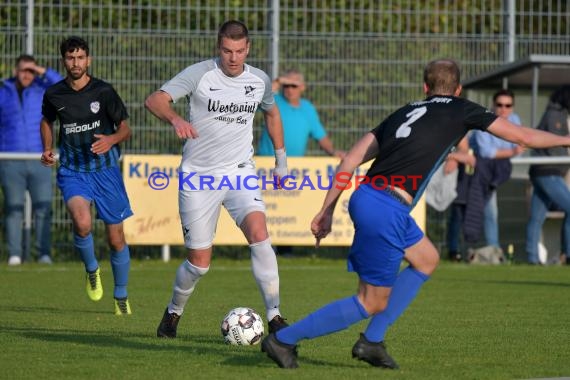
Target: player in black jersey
{"points": [[93, 122], [407, 147]]}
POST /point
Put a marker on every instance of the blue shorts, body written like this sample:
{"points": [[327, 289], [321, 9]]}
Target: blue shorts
{"points": [[384, 228], [105, 188]]}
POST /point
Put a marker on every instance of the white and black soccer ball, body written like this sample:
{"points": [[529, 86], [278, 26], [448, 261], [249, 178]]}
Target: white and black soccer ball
{"points": [[242, 326]]}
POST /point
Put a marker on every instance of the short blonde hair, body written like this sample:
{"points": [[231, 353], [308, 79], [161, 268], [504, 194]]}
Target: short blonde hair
{"points": [[442, 77]]}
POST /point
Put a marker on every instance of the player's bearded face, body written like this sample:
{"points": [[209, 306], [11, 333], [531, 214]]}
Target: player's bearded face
{"points": [[76, 63], [232, 55]]}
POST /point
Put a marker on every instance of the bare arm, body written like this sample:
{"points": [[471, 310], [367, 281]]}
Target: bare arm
{"points": [[105, 142], [46, 132], [526, 137], [460, 155], [364, 150], [463, 158], [123, 132], [326, 144], [274, 127], [159, 104], [275, 130]]}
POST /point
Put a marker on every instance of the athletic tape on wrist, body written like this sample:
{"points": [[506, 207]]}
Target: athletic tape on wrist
{"points": [[280, 158]]}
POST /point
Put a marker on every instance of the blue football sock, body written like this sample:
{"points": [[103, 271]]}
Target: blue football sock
{"points": [[405, 289], [121, 263], [86, 249], [335, 316]]}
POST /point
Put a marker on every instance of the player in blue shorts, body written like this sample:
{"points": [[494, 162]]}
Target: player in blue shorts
{"points": [[407, 147], [93, 122]]}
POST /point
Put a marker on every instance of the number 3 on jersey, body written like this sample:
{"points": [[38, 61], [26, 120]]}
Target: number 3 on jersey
{"points": [[404, 130]]}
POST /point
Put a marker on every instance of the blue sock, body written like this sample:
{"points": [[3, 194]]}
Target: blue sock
{"points": [[121, 263], [405, 289], [86, 249], [335, 316]]}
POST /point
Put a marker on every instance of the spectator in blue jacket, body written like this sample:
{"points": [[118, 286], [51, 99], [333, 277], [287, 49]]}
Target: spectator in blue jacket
{"points": [[20, 115]]}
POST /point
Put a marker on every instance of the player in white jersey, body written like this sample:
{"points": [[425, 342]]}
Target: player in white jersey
{"points": [[223, 95]]}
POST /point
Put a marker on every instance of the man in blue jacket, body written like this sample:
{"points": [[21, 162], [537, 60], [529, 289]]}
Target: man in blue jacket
{"points": [[20, 114]]}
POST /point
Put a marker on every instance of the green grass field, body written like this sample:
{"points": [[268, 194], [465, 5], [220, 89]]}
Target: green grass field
{"points": [[507, 322]]}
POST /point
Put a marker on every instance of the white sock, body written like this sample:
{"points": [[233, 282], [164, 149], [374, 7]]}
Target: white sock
{"points": [[264, 267], [187, 276]]}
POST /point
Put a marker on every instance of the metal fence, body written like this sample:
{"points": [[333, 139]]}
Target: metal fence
{"points": [[361, 59]]}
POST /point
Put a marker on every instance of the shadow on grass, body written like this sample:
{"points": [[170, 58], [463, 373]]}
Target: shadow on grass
{"points": [[240, 351], [195, 345], [512, 282], [45, 309], [265, 362]]}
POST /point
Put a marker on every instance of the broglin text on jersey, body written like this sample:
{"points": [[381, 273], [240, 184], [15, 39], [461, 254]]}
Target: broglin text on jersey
{"points": [[74, 128]]}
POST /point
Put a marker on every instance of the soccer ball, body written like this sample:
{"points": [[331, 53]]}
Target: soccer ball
{"points": [[242, 326]]}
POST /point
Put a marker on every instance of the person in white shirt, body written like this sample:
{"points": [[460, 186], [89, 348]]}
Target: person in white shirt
{"points": [[223, 95]]}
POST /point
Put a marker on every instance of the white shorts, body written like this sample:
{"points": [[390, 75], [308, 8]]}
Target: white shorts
{"points": [[200, 203]]}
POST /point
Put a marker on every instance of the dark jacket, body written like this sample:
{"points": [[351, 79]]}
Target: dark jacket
{"points": [[20, 118], [554, 120]]}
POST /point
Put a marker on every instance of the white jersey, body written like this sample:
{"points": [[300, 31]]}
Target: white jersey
{"points": [[221, 109]]}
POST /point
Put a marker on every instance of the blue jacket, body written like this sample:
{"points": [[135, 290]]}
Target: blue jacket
{"points": [[20, 120]]}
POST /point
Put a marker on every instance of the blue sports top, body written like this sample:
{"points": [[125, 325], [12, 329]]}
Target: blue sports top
{"points": [[299, 123]]}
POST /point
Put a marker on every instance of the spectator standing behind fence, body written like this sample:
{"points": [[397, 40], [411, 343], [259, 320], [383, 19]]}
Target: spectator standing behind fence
{"points": [[300, 122], [223, 95], [463, 161], [548, 181], [493, 168], [93, 122], [300, 119], [20, 115], [412, 141]]}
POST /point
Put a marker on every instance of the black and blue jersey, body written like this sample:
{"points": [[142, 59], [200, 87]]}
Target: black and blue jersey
{"points": [[415, 139], [94, 109]]}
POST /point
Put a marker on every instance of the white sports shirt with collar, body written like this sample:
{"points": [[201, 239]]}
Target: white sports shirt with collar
{"points": [[221, 109]]}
